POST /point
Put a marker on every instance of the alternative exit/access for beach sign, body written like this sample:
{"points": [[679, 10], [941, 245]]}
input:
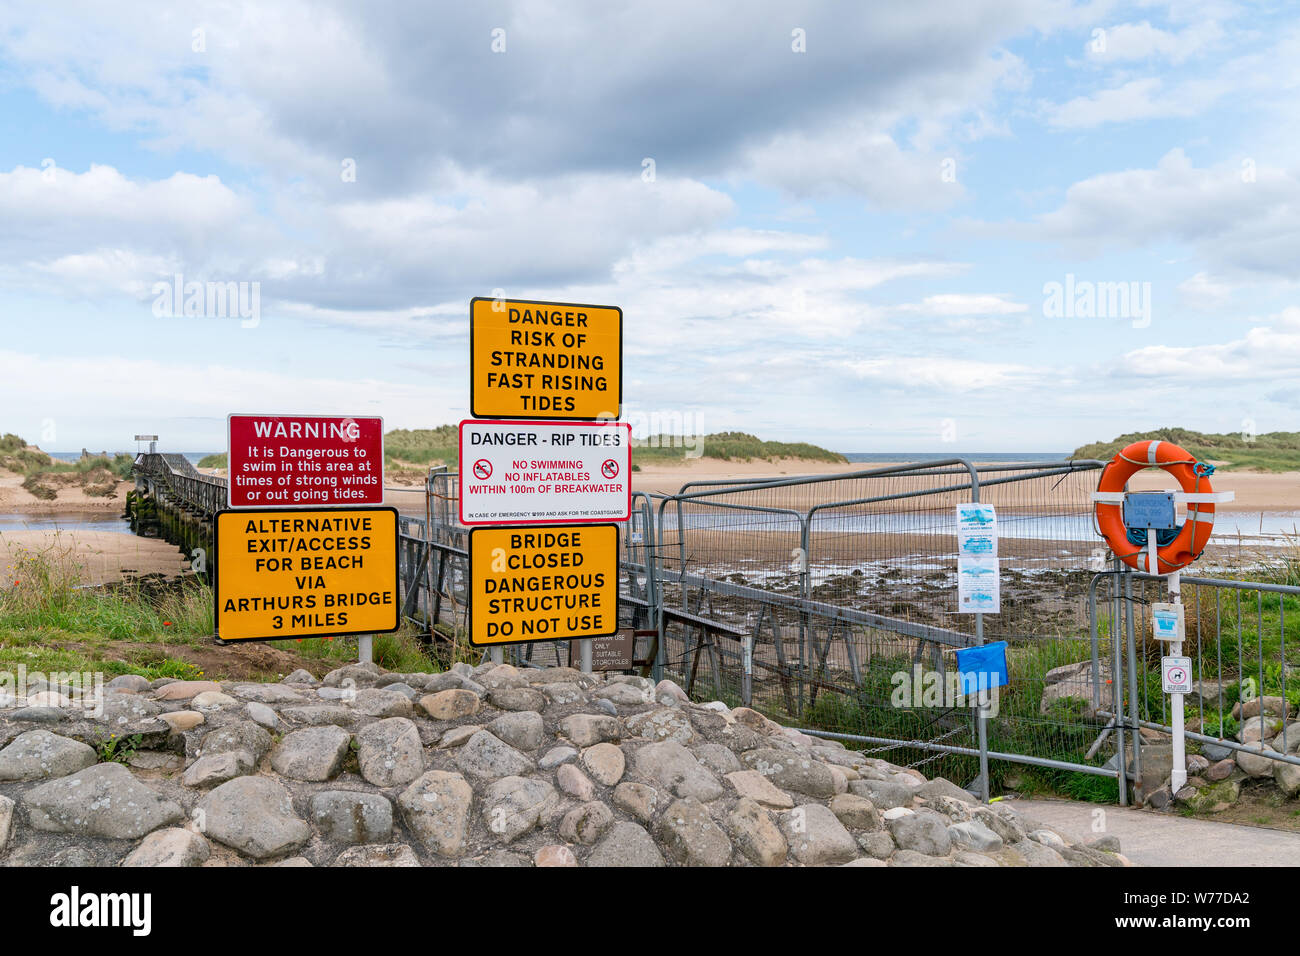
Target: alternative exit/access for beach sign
{"points": [[305, 573], [544, 360], [543, 583], [522, 472]]}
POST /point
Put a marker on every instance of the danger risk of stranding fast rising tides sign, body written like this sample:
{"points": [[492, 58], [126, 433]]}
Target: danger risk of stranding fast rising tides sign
{"points": [[544, 360], [305, 573], [292, 461], [522, 472]]}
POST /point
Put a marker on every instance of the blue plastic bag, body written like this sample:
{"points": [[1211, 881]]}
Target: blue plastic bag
{"points": [[983, 667]]}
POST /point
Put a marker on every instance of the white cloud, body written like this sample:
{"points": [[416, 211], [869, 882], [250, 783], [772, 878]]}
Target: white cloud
{"points": [[1240, 217], [1264, 351], [695, 87], [945, 374], [1142, 41], [1204, 291], [965, 304], [158, 391], [1140, 99], [856, 162]]}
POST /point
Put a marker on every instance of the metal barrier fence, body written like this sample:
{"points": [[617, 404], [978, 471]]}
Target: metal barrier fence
{"points": [[1237, 636], [844, 589], [819, 600]]}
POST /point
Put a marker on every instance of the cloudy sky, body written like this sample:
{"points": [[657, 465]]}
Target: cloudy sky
{"points": [[981, 225]]}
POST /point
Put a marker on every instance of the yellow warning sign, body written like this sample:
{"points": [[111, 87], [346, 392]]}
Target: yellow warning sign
{"points": [[545, 359], [306, 573], [543, 584]]}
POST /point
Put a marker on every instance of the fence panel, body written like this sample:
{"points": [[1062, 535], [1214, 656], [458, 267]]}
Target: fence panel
{"points": [[1242, 637]]}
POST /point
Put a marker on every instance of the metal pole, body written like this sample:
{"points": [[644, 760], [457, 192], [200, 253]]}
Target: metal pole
{"points": [[365, 649], [497, 655], [747, 687], [981, 713], [1117, 695], [584, 654], [1134, 702], [1178, 775], [982, 720]]}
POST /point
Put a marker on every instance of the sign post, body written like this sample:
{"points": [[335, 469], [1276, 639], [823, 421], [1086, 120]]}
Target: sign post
{"points": [[1122, 517], [545, 360], [1177, 680], [541, 369], [979, 592], [296, 462]]}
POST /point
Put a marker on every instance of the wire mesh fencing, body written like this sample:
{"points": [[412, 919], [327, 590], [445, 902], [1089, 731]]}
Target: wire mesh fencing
{"points": [[830, 603], [841, 591], [1242, 638]]}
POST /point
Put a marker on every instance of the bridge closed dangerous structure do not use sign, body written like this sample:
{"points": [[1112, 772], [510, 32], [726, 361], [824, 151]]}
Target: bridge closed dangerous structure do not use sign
{"points": [[543, 583]]}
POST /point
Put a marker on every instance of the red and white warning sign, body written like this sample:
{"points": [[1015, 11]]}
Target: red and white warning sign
{"points": [[515, 472]]}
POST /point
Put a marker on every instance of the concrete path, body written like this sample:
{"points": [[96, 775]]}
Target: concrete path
{"points": [[1158, 839]]}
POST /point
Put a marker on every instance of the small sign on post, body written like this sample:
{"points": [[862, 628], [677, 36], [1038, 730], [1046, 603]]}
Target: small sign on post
{"points": [[978, 579], [1168, 622], [609, 653], [1176, 674]]}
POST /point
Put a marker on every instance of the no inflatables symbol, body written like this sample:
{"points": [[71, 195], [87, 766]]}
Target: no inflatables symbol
{"points": [[482, 469], [610, 468]]}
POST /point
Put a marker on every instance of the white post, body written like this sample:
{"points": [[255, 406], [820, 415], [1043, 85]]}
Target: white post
{"points": [[365, 649], [498, 655], [1178, 775], [584, 650]]}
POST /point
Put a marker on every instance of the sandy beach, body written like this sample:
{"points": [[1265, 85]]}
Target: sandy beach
{"points": [[104, 556], [1254, 491], [107, 556]]}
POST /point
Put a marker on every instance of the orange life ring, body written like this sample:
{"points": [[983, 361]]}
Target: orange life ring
{"points": [[1194, 478]]}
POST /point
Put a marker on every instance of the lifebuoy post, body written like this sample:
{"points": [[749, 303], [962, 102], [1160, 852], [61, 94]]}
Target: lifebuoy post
{"points": [[1143, 532]]}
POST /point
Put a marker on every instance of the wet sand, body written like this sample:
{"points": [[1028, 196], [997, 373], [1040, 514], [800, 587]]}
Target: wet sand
{"points": [[1254, 491]]}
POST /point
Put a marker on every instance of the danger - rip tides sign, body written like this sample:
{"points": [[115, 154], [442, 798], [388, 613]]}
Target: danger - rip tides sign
{"points": [[545, 360], [524, 472], [543, 584], [306, 573]]}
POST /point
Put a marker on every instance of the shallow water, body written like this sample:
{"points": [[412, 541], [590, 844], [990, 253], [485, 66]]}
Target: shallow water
{"points": [[1264, 527], [79, 521]]}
